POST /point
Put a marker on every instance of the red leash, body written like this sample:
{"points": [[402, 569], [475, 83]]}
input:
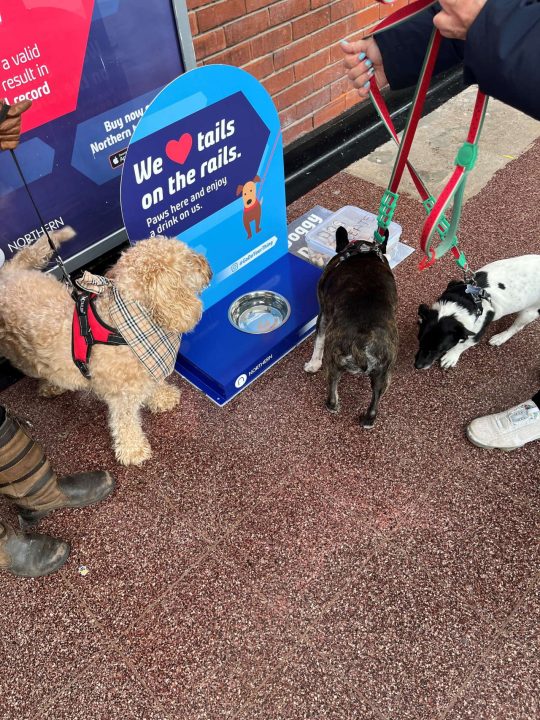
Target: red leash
{"points": [[436, 221]]}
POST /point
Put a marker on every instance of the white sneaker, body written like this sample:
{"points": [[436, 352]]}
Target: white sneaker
{"points": [[507, 430]]}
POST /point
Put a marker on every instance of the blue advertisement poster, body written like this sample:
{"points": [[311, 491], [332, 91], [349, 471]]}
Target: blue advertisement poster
{"points": [[73, 160]]}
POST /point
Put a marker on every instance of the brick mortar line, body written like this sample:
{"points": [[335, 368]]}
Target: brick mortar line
{"points": [[297, 122], [312, 55], [306, 97], [239, 19], [371, 4], [269, 55], [313, 74], [294, 42]]}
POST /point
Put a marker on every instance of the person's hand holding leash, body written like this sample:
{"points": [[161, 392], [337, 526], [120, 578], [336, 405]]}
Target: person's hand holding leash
{"points": [[362, 60], [456, 17], [10, 123]]}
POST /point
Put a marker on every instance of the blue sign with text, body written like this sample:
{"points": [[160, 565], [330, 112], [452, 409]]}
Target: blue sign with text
{"points": [[205, 165]]}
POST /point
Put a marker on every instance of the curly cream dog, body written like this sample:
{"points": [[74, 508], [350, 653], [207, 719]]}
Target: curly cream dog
{"points": [[162, 274]]}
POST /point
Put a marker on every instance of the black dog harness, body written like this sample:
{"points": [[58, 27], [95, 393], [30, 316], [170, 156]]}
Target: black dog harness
{"points": [[360, 248], [477, 294], [352, 250], [89, 329]]}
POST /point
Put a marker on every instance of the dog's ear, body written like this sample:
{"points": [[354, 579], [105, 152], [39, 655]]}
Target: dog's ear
{"points": [[423, 312], [172, 292], [453, 283], [342, 239], [166, 277], [256, 179], [171, 303], [239, 190]]}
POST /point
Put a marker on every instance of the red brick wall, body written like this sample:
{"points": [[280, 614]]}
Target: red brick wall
{"points": [[292, 46]]}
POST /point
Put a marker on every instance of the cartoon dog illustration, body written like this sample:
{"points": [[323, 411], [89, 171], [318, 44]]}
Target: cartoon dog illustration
{"points": [[252, 206]]}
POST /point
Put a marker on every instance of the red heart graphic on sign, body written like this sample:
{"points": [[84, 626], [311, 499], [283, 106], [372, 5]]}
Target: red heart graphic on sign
{"points": [[178, 150]]}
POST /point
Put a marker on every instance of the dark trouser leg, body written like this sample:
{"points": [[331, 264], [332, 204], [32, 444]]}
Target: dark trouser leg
{"points": [[536, 399], [27, 479]]}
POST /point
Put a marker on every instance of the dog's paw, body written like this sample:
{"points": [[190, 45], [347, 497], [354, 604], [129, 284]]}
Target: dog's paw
{"points": [[367, 422], [499, 339], [449, 359], [332, 407], [164, 398], [133, 454], [313, 366], [48, 390]]}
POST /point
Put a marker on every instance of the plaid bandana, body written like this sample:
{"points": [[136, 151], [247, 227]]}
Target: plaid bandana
{"points": [[154, 347]]}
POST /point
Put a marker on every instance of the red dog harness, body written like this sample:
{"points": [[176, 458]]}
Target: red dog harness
{"points": [[88, 329]]}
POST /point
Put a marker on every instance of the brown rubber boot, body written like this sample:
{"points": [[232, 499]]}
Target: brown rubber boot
{"points": [[27, 479], [30, 555]]}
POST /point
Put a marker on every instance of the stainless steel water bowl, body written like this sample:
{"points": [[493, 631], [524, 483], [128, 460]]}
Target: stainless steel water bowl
{"points": [[259, 312]]}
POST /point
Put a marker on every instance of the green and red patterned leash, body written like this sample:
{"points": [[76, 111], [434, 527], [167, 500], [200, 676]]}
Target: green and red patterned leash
{"points": [[436, 222]]}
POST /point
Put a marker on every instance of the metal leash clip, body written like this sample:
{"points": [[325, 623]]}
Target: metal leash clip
{"points": [[477, 293]]}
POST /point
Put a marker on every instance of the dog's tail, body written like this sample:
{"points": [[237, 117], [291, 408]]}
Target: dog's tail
{"points": [[39, 253], [364, 356], [378, 351], [350, 356], [360, 357]]}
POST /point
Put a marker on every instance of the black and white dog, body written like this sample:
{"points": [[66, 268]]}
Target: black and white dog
{"points": [[462, 314], [356, 327]]}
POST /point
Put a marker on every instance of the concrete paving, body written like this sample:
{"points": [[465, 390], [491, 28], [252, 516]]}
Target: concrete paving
{"points": [[506, 134]]}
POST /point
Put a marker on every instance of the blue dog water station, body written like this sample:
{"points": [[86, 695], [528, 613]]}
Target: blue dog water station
{"points": [[205, 165]]}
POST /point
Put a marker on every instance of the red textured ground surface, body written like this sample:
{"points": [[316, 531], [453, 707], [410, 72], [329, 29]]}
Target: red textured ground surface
{"points": [[274, 561]]}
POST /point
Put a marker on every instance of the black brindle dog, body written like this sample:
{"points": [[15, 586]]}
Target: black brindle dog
{"points": [[356, 327]]}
